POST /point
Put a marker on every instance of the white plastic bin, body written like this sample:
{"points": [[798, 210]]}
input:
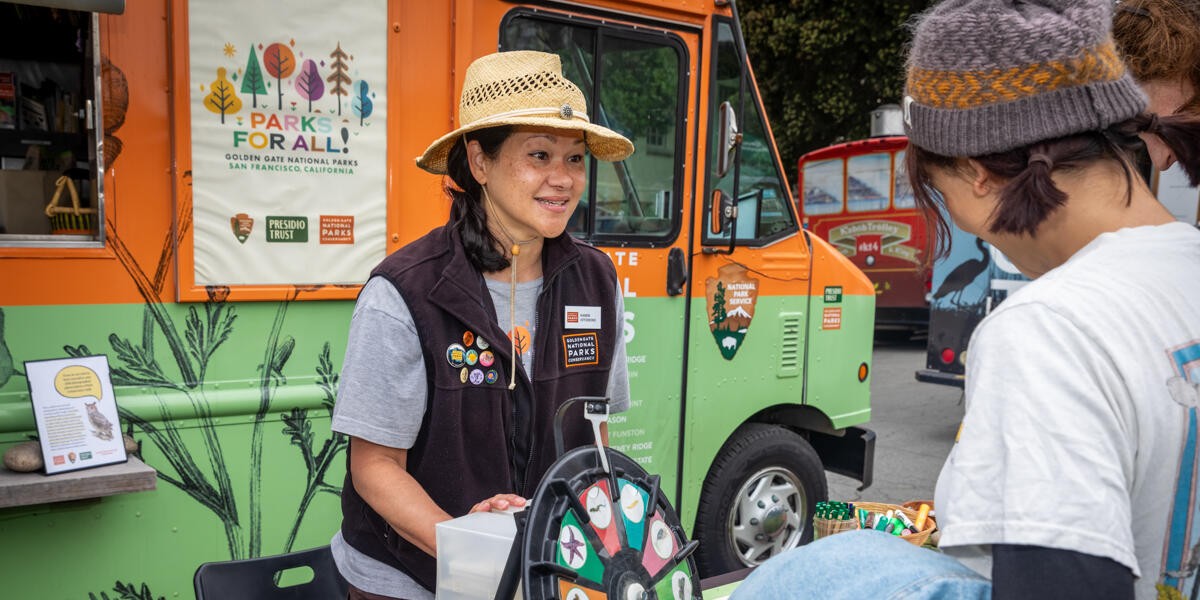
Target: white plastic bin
{"points": [[472, 552]]}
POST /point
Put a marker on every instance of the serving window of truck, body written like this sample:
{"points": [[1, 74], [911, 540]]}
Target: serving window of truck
{"points": [[52, 135]]}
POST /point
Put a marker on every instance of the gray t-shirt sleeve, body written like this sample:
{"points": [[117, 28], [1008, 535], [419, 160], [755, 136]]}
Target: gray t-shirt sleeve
{"points": [[382, 392], [618, 374]]}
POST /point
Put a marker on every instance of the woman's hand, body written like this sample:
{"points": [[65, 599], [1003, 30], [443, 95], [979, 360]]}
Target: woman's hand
{"points": [[498, 502]]}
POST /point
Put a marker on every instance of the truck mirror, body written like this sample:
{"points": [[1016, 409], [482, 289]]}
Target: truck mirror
{"points": [[729, 139], [724, 212]]}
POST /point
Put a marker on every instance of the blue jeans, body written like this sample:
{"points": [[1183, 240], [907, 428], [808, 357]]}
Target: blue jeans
{"points": [[860, 565]]}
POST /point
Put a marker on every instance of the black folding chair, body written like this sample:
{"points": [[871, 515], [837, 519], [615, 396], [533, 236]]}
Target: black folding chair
{"points": [[254, 578]]}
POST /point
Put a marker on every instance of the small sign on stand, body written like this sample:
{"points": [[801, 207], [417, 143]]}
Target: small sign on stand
{"points": [[76, 413]]}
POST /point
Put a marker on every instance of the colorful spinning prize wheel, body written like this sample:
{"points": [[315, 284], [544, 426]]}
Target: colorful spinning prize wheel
{"points": [[593, 534]]}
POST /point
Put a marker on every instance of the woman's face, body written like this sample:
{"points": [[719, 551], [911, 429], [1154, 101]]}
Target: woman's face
{"points": [[534, 182], [1167, 96]]}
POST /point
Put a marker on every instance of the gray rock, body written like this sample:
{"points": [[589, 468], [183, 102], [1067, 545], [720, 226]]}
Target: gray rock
{"points": [[25, 457]]}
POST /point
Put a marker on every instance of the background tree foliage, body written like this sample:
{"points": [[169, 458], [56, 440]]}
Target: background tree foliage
{"points": [[822, 67]]}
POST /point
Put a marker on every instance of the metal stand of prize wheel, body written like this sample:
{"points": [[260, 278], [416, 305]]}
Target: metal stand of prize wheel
{"points": [[572, 544]]}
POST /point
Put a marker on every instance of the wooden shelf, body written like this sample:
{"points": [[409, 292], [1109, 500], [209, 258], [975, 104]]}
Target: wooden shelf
{"points": [[20, 489]]}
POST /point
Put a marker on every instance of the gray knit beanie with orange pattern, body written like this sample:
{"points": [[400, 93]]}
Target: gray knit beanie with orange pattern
{"points": [[988, 76]]}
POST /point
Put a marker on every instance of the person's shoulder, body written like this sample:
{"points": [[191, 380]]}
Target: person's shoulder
{"points": [[592, 256], [422, 250]]}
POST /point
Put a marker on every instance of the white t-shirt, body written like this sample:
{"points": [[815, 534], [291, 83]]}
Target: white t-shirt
{"points": [[1080, 427]]}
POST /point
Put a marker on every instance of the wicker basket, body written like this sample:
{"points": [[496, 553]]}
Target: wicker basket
{"points": [[917, 539], [73, 219]]}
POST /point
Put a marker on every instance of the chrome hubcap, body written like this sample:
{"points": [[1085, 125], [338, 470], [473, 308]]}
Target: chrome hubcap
{"points": [[767, 516]]}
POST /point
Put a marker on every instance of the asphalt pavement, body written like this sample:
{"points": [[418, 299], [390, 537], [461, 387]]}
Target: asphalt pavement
{"points": [[915, 424]]}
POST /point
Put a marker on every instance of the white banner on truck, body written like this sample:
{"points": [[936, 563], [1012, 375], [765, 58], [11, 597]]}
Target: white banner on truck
{"points": [[289, 142]]}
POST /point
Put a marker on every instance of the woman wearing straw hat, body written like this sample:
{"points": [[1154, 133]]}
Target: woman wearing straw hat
{"points": [[1073, 474], [464, 342]]}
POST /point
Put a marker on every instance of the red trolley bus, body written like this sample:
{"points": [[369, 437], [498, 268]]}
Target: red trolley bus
{"points": [[857, 196]]}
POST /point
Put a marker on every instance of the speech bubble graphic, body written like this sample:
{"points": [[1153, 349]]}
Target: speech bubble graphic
{"points": [[78, 382]]}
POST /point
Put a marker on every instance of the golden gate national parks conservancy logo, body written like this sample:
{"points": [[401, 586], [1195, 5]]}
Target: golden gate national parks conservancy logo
{"points": [[731, 297], [241, 224]]}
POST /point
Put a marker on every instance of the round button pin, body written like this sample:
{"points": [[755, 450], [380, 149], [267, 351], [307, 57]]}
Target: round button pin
{"points": [[472, 357], [462, 375], [482, 343], [456, 355], [486, 358], [492, 376], [468, 339], [476, 377]]}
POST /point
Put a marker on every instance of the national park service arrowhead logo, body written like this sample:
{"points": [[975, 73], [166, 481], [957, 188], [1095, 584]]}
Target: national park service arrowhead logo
{"points": [[731, 297], [241, 224]]}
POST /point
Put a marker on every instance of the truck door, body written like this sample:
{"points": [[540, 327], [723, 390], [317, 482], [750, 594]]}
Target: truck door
{"points": [[636, 80]]}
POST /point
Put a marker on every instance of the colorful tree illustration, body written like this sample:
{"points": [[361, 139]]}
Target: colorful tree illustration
{"points": [[309, 83], [252, 81], [280, 63], [222, 99], [361, 105], [339, 77]]}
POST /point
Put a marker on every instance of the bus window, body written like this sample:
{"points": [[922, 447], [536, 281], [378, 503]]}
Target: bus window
{"points": [[823, 187], [868, 181], [762, 201], [50, 73], [634, 86], [903, 197]]}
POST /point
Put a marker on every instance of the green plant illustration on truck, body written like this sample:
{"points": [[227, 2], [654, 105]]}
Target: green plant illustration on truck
{"points": [[169, 399]]}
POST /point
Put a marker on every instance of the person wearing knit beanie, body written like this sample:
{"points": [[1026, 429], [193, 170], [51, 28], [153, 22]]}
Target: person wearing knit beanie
{"points": [[1024, 127], [1072, 475]]}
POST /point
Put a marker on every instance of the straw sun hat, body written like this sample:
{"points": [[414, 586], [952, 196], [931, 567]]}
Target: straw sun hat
{"points": [[523, 88]]}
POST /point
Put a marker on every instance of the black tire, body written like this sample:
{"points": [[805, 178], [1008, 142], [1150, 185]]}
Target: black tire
{"points": [[728, 516]]}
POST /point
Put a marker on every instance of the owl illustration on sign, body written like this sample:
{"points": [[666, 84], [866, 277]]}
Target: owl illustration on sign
{"points": [[102, 427]]}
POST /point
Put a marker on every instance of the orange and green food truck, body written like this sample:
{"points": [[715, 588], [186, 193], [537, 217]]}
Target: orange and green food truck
{"points": [[196, 190]]}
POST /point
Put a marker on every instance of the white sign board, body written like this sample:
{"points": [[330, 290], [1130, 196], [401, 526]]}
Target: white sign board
{"points": [[76, 413], [288, 113]]}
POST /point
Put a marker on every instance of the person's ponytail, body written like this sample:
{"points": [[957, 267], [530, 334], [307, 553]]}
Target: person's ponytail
{"points": [[467, 213]]}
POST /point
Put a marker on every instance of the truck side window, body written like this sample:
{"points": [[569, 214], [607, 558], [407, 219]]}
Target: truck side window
{"points": [[868, 182], [635, 85], [50, 76], [762, 198]]}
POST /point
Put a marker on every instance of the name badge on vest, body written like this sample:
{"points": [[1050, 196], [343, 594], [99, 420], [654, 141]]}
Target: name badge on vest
{"points": [[582, 317]]}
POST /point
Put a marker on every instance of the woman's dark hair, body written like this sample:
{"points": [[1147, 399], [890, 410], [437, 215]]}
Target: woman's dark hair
{"points": [[1029, 196], [467, 212]]}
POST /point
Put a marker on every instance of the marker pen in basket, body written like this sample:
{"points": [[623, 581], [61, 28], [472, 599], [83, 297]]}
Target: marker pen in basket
{"points": [[880, 522], [921, 516], [907, 521]]}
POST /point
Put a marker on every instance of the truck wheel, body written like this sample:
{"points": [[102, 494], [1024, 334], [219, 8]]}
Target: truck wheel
{"points": [[758, 499]]}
